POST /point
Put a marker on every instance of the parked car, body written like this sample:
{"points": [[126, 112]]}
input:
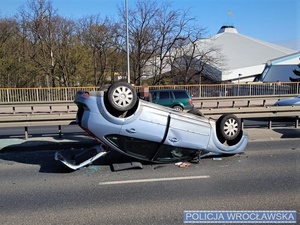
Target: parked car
{"points": [[288, 101], [178, 99], [146, 131]]}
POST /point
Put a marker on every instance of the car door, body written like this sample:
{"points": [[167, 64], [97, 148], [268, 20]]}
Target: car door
{"points": [[150, 124], [186, 131]]}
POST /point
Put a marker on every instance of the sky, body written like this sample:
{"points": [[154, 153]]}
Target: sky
{"points": [[274, 21]]}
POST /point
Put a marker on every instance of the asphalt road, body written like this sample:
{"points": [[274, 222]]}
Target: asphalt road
{"points": [[35, 189]]}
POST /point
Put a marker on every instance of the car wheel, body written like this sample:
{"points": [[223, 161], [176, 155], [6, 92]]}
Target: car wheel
{"points": [[177, 108], [196, 112], [229, 127], [122, 96], [236, 140]]}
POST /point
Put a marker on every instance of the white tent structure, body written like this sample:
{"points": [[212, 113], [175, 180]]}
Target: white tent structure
{"points": [[245, 58]]}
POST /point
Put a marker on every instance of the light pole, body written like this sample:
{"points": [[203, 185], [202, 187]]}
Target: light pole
{"points": [[239, 84], [127, 42]]}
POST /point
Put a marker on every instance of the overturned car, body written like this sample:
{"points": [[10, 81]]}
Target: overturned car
{"points": [[122, 122]]}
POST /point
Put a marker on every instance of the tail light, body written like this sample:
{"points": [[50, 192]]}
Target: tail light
{"points": [[191, 101], [86, 94]]}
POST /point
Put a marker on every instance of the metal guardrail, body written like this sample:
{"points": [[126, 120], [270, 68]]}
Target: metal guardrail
{"points": [[37, 107], [64, 113]]}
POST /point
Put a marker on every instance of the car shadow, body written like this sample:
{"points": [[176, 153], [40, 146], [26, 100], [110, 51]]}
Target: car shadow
{"points": [[287, 133], [42, 154]]}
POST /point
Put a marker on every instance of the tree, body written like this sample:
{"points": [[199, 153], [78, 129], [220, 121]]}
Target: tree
{"points": [[157, 34], [99, 37], [38, 23], [194, 61], [173, 31], [69, 53], [142, 35], [8, 53], [40, 48]]}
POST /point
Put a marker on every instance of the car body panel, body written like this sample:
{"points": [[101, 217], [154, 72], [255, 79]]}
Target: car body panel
{"points": [[151, 124], [185, 130]]}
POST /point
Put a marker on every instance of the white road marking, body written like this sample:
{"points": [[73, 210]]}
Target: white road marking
{"points": [[153, 180]]}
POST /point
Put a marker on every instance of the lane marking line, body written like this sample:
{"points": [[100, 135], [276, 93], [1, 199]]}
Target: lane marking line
{"points": [[154, 180]]}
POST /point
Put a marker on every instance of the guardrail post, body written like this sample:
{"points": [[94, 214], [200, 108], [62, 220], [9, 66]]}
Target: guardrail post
{"points": [[270, 124], [59, 131], [26, 133]]}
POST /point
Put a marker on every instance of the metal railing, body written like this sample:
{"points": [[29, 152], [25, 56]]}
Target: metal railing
{"points": [[204, 90]]}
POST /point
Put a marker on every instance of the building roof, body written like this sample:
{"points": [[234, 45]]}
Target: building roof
{"points": [[244, 56], [282, 68]]}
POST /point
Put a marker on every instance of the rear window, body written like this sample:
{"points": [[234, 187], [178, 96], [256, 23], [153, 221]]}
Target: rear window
{"points": [[180, 94]]}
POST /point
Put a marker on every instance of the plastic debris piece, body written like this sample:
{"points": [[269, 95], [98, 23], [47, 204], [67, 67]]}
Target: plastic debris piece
{"points": [[184, 165], [178, 163], [125, 166], [217, 159]]}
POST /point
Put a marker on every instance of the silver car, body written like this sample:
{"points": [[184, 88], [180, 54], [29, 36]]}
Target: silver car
{"points": [[288, 101], [150, 132]]}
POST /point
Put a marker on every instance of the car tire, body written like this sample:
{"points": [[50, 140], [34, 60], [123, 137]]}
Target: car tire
{"points": [[228, 127], [236, 140], [177, 108], [196, 112], [122, 96]]}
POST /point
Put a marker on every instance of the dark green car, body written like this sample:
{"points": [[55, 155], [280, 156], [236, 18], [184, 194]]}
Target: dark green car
{"points": [[178, 99]]}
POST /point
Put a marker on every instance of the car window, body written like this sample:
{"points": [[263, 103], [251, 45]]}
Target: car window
{"points": [[180, 94], [135, 147], [164, 95], [149, 150]]}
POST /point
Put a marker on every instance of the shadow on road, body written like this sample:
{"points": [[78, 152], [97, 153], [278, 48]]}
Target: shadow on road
{"points": [[42, 153], [287, 133]]}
